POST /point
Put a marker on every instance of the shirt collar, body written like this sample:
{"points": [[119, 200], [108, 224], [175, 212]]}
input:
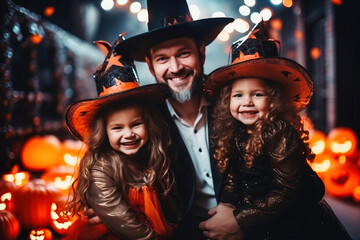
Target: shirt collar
{"points": [[203, 103]]}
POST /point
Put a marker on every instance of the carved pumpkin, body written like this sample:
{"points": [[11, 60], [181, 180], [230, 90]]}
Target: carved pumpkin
{"points": [[33, 203], [9, 226], [7, 190], [40, 234], [318, 141], [19, 178], [356, 193], [341, 180], [322, 163], [41, 152], [342, 140], [73, 151], [60, 176], [60, 222]]}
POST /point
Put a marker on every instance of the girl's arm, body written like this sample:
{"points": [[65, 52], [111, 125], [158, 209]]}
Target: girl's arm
{"points": [[285, 149], [109, 204]]}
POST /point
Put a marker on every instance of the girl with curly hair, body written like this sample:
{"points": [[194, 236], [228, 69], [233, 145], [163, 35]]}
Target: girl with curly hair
{"points": [[125, 174], [261, 146]]}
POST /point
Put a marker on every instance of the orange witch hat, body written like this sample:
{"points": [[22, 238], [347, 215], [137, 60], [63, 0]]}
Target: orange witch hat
{"points": [[116, 80], [256, 55]]}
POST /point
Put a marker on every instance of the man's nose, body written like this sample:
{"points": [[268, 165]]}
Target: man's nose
{"points": [[175, 65]]}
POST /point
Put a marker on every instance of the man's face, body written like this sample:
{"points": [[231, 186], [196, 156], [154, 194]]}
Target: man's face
{"points": [[178, 63]]}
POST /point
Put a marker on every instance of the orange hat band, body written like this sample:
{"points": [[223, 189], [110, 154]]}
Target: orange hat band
{"points": [[119, 87]]}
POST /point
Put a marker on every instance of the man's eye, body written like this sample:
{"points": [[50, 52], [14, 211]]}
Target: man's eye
{"points": [[185, 54], [161, 60]]}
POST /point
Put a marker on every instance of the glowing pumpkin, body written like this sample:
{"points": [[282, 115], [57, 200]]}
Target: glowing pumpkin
{"points": [[341, 180], [7, 190], [33, 203], [356, 193], [19, 178], [41, 152], [73, 151], [60, 176], [342, 140], [318, 142], [59, 220], [40, 234], [9, 226], [322, 163]]}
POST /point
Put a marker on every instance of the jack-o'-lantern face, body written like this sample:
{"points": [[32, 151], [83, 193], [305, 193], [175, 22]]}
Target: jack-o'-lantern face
{"points": [[73, 151], [322, 163], [341, 180], [342, 140], [7, 190], [318, 142], [60, 221], [60, 176], [20, 178], [40, 234]]}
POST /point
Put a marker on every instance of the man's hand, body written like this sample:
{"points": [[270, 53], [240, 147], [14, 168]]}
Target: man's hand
{"points": [[92, 217], [222, 225]]}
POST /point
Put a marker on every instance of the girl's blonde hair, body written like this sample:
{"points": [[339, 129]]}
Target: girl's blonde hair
{"points": [[154, 155], [225, 126]]}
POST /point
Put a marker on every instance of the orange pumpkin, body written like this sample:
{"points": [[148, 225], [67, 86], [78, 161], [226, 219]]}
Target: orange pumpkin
{"points": [[7, 190], [322, 163], [9, 226], [40, 234], [341, 180], [73, 151], [356, 193], [342, 140], [318, 141], [41, 152], [19, 178], [33, 203], [60, 176], [60, 222]]}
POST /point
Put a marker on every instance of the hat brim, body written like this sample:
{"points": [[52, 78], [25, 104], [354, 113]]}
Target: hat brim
{"points": [[203, 29], [292, 76], [80, 114]]}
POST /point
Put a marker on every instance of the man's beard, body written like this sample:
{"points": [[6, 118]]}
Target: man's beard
{"points": [[185, 94]]}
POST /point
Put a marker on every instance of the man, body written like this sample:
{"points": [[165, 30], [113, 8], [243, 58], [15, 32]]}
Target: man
{"points": [[174, 50]]}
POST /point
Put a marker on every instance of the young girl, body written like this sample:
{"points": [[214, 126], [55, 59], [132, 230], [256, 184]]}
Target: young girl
{"points": [[126, 168], [260, 145]]}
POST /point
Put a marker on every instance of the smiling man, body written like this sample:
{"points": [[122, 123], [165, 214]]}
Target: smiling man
{"points": [[174, 50]]}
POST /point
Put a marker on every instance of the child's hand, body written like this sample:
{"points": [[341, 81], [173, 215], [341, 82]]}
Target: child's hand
{"points": [[92, 217], [222, 224]]}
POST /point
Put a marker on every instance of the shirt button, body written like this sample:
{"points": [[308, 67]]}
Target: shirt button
{"points": [[208, 174], [200, 150], [195, 131]]}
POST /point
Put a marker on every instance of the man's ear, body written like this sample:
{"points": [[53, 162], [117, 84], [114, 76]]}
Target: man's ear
{"points": [[202, 51], [151, 69]]}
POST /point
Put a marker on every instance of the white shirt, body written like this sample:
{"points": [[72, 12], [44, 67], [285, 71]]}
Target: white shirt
{"points": [[196, 139]]}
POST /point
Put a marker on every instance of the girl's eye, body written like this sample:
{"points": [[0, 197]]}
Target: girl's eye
{"points": [[259, 94], [237, 95], [137, 124]]}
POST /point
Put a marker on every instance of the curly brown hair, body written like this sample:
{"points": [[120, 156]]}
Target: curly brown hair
{"points": [[99, 149], [225, 126]]}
